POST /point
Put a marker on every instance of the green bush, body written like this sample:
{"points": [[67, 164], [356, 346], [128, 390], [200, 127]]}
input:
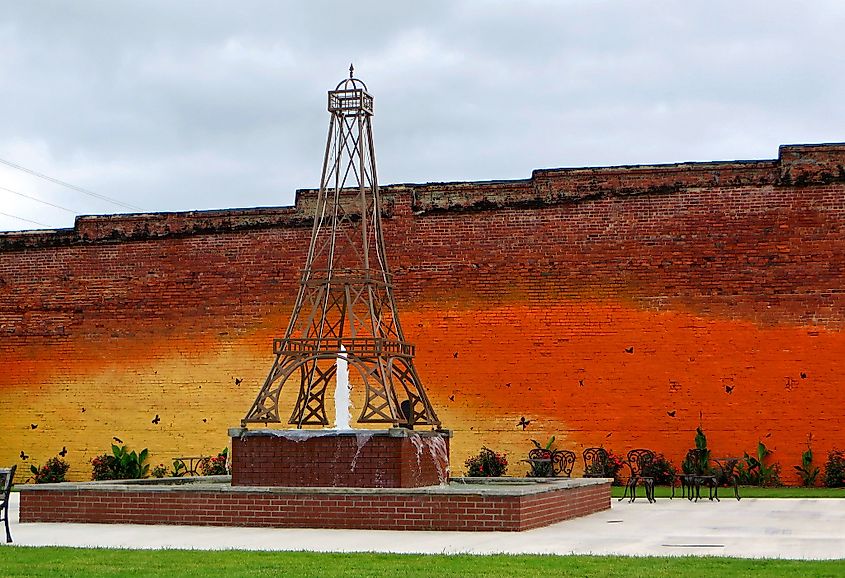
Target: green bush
{"points": [[754, 471], [806, 471], [834, 469], [50, 473], [661, 469], [120, 465], [699, 463], [487, 464]]}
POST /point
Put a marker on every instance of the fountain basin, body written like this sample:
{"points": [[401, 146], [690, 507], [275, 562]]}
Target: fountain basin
{"points": [[512, 505]]}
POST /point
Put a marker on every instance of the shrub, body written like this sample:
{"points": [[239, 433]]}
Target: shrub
{"points": [[487, 464], [120, 465], [215, 466], [661, 469], [834, 469], [806, 471], [697, 461], [753, 471], [50, 473], [159, 471]]}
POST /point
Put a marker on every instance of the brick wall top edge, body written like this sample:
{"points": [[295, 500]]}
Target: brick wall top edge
{"points": [[797, 165], [137, 226]]}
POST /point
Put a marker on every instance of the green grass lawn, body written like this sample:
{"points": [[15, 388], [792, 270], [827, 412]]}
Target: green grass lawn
{"points": [[33, 562], [747, 492]]}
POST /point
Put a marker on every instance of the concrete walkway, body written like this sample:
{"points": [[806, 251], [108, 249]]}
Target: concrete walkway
{"points": [[752, 528]]}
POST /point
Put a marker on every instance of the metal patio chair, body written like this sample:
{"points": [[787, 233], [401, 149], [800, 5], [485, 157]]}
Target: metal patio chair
{"points": [[638, 461], [6, 478], [595, 463]]}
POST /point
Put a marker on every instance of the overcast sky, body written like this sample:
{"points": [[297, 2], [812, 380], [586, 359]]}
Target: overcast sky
{"points": [[171, 106]]}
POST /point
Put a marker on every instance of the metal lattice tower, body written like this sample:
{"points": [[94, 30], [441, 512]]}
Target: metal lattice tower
{"points": [[345, 304]]}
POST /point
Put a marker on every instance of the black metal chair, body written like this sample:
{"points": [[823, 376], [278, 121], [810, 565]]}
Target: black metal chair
{"points": [[595, 463], [7, 476], [550, 463], [729, 475], [562, 463], [638, 461], [691, 467]]}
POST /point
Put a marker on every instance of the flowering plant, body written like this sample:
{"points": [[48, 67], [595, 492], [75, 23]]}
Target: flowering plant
{"points": [[487, 464], [159, 471], [52, 472], [103, 467], [215, 466], [614, 467]]}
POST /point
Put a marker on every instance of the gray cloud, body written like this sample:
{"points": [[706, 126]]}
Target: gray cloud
{"points": [[191, 105]]}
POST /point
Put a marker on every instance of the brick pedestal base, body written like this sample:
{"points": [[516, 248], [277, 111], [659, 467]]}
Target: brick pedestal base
{"points": [[394, 458]]}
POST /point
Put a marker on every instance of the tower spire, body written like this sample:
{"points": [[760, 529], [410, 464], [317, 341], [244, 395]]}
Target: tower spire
{"points": [[345, 305]]}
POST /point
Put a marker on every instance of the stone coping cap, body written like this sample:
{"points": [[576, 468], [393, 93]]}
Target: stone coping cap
{"points": [[302, 434], [457, 486]]}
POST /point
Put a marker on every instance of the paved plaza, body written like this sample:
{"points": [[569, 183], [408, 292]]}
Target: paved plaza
{"points": [[768, 528]]}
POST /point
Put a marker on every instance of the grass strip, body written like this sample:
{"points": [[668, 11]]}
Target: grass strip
{"points": [[18, 561]]}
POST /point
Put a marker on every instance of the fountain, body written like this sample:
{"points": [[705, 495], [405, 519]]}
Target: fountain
{"points": [[344, 318]]}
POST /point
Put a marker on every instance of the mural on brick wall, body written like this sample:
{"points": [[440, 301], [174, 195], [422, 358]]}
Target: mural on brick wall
{"points": [[620, 307]]}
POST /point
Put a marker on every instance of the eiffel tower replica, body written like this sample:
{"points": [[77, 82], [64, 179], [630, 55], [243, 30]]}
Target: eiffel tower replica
{"points": [[345, 305]]}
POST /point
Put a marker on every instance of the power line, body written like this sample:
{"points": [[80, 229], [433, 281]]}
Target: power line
{"points": [[22, 219], [70, 186], [40, 201]]}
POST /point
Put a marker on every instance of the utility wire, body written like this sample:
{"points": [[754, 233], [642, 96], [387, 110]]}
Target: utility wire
{"points": [[39, 200], [22, 219], [70, 186]]}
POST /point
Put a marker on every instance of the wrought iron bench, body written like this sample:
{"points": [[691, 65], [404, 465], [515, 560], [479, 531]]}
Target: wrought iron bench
{"points": [[6, 478]]}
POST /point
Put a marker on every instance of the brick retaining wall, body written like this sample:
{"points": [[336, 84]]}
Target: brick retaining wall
{"points": [[471, 509]]}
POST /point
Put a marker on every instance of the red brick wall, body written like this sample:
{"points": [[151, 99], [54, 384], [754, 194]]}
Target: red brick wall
{"points": [[376, 511], [377, 461], [619, 306]]}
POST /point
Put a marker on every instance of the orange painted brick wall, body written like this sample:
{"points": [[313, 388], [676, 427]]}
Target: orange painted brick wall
{"points": [[619, 306]]}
